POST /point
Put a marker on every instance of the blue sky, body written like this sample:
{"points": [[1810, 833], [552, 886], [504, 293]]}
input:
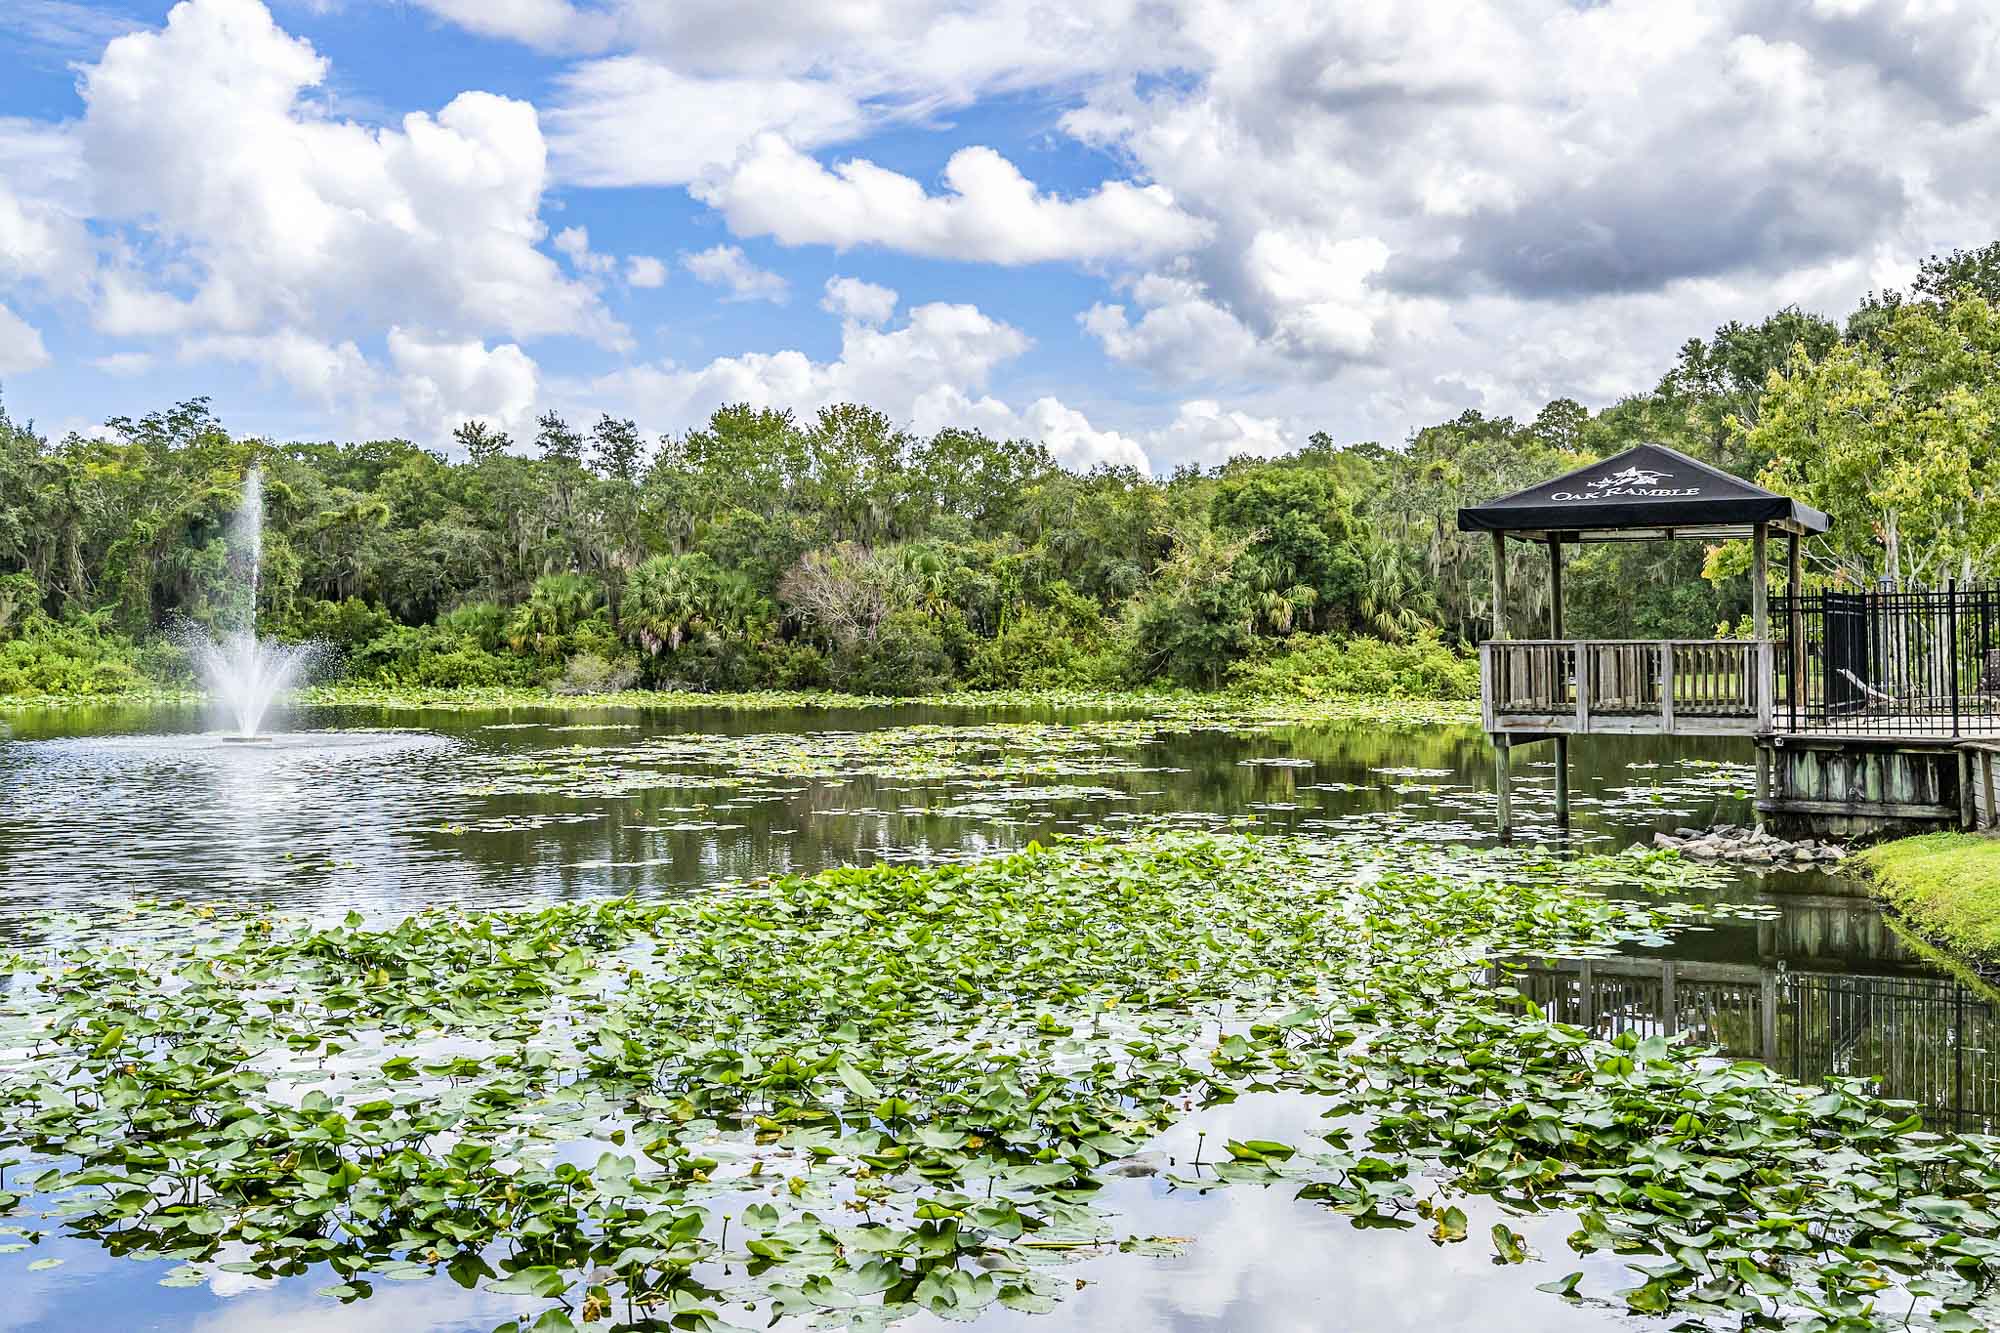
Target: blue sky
{"points": [[1145, 232]]}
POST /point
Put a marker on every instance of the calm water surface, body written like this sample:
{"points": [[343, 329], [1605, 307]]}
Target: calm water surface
{"points": [[391, 811]]}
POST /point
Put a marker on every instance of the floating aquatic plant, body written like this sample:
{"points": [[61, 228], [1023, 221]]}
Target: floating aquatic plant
{"points": [[848, 1098]]}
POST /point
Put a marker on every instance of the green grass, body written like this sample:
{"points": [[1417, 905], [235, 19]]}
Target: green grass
{"points": [[1947, 885]]}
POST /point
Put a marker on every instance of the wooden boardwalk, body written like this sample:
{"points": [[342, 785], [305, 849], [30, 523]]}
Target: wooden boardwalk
{"points": [[1870, 767]]}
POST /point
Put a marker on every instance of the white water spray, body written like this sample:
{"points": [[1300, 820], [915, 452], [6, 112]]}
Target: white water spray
{"points": [[243, 674]]}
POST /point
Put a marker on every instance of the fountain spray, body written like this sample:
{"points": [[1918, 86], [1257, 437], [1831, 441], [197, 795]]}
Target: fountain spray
{"points": [[242, 673]]}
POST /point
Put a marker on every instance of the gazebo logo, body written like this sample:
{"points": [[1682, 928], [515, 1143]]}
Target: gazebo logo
{"points": [[1631, 476]]}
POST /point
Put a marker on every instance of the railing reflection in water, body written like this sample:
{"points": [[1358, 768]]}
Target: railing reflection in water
{"points": [[1930, 1040]]}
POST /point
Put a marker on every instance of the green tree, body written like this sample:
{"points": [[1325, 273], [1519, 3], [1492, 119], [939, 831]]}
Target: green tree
{"points": [[1894, 440], [557, 606], [480, 442]]}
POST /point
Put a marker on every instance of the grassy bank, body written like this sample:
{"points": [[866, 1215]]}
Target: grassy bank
{"points": [[1947, 885]]}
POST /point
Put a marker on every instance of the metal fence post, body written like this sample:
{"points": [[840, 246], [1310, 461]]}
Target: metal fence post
{"points": [[1951, 658]]}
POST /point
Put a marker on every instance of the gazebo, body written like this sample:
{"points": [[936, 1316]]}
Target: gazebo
{"points": [[1537, 689]]}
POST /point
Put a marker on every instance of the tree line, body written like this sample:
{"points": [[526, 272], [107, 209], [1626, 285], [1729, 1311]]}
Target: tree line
{"points": [[840, 550]]}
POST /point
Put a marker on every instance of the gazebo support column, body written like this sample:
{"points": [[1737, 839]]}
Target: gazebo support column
{"points": [[1503, 767], [1760, 627], [1556, 632]]}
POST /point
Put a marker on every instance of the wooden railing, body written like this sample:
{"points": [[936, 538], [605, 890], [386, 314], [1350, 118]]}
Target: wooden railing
{"points": [[1643, 685]]}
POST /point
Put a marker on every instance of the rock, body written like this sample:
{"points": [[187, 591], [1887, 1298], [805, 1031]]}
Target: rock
{"points": [[1759, 847]]}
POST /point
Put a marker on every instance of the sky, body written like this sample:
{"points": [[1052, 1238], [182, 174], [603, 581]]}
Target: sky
{"points": [[1146, 232]]}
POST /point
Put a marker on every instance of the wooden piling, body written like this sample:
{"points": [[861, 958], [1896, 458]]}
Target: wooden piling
{"points": [[1562, 780], [1763, 780]]}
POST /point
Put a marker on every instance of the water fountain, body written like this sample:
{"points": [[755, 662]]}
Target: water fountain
{"points": [[242, 673]]}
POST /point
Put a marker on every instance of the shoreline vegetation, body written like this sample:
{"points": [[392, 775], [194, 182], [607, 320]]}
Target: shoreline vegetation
{"points": [[1946, 887], [1238, 705]]}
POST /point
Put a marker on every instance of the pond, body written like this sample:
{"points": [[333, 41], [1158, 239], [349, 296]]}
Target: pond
{"points": [[392, 811]]}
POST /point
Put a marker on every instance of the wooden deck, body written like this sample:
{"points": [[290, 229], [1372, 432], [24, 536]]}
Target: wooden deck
{"points": [[1871, 767], [1651, 687]]}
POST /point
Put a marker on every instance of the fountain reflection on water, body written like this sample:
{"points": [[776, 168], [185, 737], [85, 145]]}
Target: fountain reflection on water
{"points": [[245, 675]]}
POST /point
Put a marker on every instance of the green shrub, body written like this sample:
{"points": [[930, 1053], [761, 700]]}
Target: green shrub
{"points": [[1066, 645], [551, 624], [589, 673], [712, 660], [794, 665], [485, 623], [165, 663], [1193, 633], [345, 624], [436, 657], [20, 599], [49, 657], [1313, 666], [906, 655]]}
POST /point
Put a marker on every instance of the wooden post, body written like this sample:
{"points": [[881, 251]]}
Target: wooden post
{"points": [[1760, 584], [1763, 780], [1555, 588], [1561, 742], [1667, 687], [1503, 774], [1968, 813], [1583, 694], [1986, 772], [1562, 780]]}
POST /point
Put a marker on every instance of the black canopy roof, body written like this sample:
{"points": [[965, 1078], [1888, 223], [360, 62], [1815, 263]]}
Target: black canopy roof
{"points": [[1647, 491]]}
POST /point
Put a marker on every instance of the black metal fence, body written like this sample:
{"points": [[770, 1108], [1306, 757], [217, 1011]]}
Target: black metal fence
{"points": [[1929, 1039], [1920, 662]]}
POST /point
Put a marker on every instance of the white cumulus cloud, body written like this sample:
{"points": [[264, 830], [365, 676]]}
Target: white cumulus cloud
{"points": [[442, 384], [989, 211], [863, 302], [930, 372], [21, 347], [286, 219], [727, 267], [645, 271]]}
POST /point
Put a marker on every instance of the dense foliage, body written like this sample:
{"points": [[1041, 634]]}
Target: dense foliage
{"points": [[843, 552]]}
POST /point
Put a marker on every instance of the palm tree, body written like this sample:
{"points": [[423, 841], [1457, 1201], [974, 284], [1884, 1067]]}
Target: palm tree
{"points": [[666, 601], [555, 607], [1397, 599]]}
